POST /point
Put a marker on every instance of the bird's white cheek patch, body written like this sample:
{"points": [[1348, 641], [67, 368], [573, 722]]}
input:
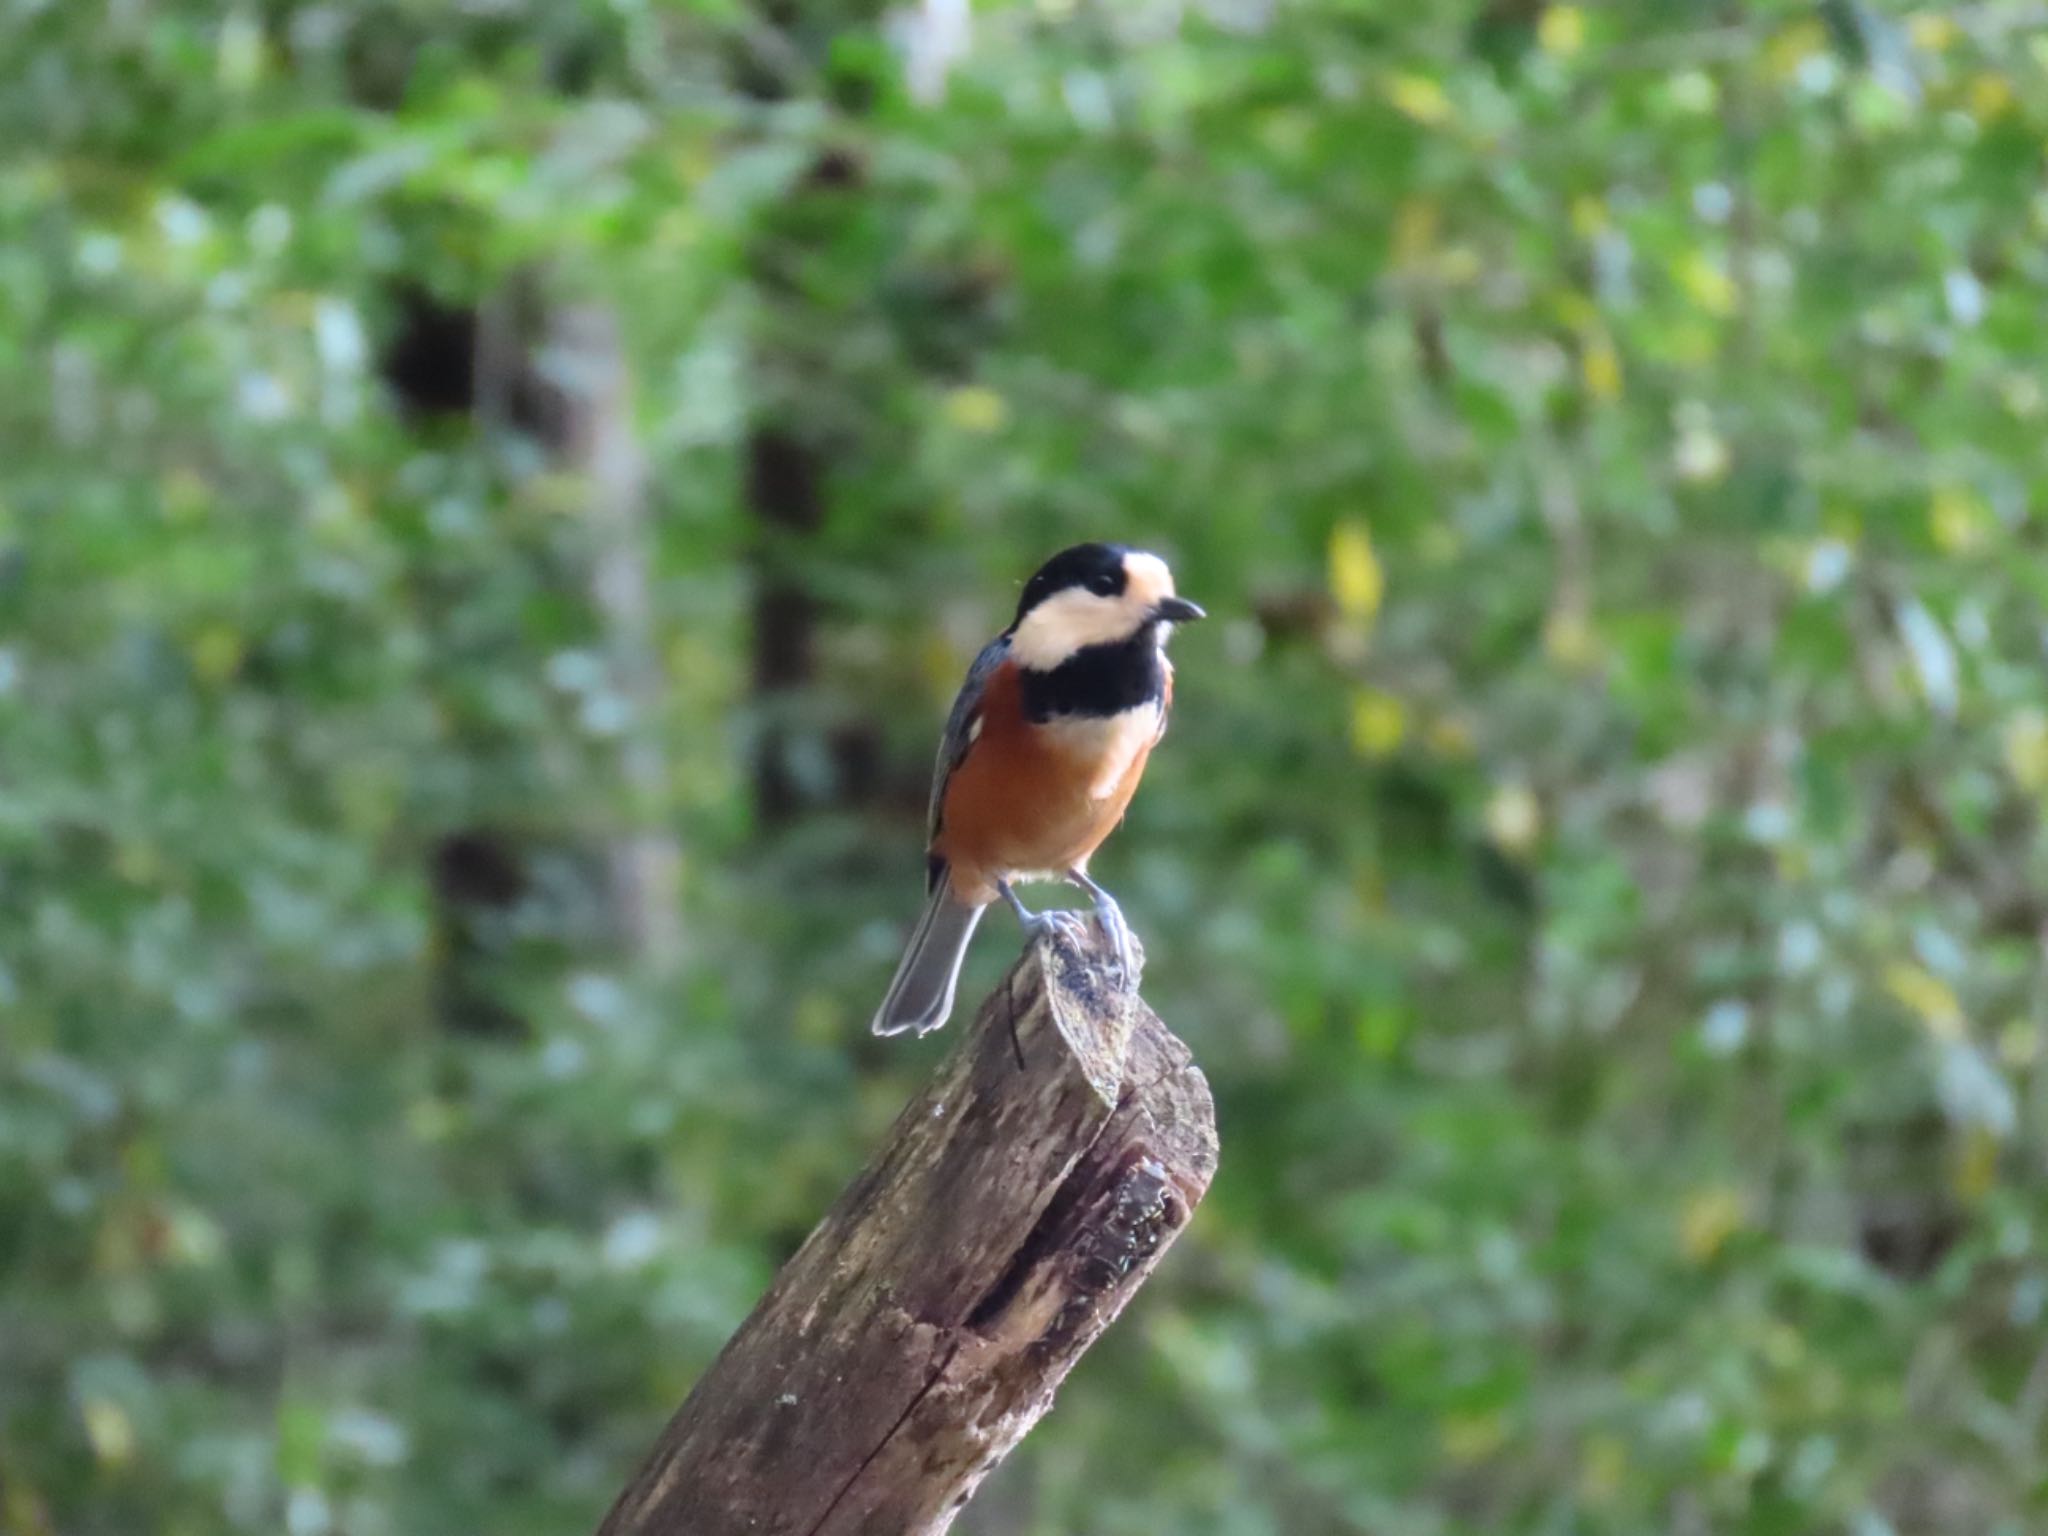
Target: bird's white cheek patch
{"points": [[1109, 744], [1067, 622]]}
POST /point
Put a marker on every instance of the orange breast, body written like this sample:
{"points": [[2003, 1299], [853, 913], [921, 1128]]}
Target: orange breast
{"points": [[1036, 799]]}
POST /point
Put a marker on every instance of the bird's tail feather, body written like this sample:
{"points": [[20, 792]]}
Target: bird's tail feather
{"points": [[921, 995]]}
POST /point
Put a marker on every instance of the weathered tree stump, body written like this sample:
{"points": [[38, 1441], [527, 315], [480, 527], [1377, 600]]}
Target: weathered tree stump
{"points": [[1019, 1202]]}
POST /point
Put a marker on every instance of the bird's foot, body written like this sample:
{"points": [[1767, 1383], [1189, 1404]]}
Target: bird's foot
{"points": [[1061, 927], [1058, 925], [1126, 959]]}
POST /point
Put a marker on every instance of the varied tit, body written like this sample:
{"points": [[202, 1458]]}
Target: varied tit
{"points": [[1041, 754]]}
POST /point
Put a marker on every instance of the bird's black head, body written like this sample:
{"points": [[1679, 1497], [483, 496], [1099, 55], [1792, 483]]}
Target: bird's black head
{"points": [[1097, 568]]}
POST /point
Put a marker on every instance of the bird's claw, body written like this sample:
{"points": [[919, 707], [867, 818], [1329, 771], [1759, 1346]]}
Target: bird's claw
{"points": [[1070, 929], [1125, 965], [1062, 927]]}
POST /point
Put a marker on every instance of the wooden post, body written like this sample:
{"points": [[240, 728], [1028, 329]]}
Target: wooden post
{"points": [[1018, 1203]]}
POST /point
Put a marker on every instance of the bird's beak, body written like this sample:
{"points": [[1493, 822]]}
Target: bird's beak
{"points": [[1178, 610]]}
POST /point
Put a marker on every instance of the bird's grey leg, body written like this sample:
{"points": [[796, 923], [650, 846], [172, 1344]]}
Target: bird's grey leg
{"points": [[1058, 924], [1110, 917]]}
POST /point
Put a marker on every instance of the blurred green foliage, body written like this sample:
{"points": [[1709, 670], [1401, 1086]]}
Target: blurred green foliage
{"points": [[1597, 859]]}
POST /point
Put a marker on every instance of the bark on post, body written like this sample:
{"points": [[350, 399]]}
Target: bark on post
{"points": [[1018, 1203]]}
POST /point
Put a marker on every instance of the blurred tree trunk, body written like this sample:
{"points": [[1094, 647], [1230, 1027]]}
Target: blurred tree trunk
{"points": [[595, 440], [557, 372], [477, 870], [807, 413]]}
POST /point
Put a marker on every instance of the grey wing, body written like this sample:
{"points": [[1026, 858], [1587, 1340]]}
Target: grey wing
{"points": [[959, 734]]}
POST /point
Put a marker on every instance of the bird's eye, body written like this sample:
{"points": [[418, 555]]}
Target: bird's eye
{"points": [[1104, 585]]}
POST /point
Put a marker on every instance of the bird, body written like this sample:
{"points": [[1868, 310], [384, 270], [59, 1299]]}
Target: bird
{"points": [[1041, 753]]}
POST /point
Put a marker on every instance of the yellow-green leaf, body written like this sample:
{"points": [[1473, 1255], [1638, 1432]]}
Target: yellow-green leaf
{"points": [[1928, 996], [1931, 31], [1957, 518], [1379, 721], [1990, 96], [1600, 366], [1514, 818], [1569, 640], [1793, 47], [1562, 30], [2026, 750], [1709, 1217], [216, 653], [1356, 580], [1707, 283], [109, 1431], [1420, 98], [1603, 1469], [1976, 1166], [1415, 231], [976, 408], [1470, 1437]]}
